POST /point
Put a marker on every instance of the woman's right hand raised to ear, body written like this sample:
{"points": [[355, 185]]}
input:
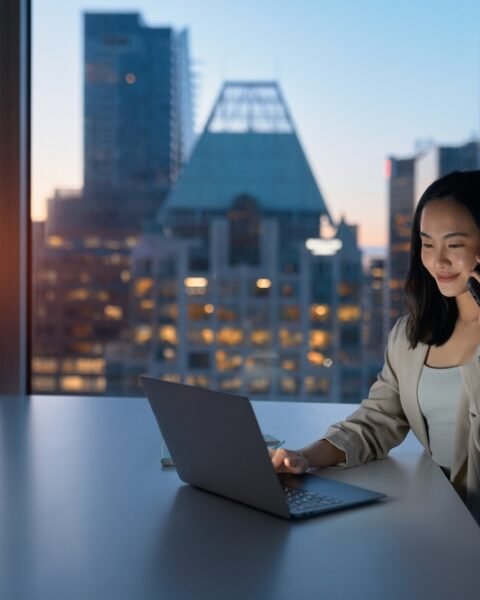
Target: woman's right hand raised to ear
{"points": [[289, 461]]}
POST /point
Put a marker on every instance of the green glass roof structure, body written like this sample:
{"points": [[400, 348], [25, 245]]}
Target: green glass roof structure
{"points": [[248, 147]]}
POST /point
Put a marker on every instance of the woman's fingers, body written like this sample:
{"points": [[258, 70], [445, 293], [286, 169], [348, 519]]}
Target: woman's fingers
{"points": [[288, 461]]}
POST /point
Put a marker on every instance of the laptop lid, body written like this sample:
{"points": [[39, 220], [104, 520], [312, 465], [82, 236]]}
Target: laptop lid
{"points": [[216, 443]]}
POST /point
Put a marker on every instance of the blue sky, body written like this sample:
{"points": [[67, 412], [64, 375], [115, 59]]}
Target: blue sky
{"points": [[363, 80]]}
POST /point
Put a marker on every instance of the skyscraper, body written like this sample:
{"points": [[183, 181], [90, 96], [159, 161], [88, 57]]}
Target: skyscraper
{"points": [[401, 185], [437, 161], [240, 288], [137, 102], [138, 132]]}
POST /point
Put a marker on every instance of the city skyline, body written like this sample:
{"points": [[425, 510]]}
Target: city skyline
{"points": [[347, 124]]}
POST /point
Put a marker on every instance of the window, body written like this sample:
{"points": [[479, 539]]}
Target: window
{"points": [[213, 250]]}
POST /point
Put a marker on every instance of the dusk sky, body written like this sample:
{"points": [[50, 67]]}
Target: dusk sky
{"points": [[363, 80]]}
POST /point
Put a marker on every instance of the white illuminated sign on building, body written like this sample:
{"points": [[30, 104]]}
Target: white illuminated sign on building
{"points": [[319, 247]]}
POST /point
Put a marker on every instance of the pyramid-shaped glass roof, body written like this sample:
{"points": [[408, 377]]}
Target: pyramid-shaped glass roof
{"points": [[249, 146]]}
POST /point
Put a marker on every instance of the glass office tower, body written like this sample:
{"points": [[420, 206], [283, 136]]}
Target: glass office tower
{"points": [[401, 185], [137, 102], [138, 133]]}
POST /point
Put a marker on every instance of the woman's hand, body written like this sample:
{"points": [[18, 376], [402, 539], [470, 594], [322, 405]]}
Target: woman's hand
{"points": [[288, 461]]}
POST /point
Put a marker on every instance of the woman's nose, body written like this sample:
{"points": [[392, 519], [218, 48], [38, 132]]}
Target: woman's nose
{"points": [[441, 259]]}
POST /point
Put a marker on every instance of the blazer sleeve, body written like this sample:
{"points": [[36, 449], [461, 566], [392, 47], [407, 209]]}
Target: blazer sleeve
{"points": [[379, 424]]}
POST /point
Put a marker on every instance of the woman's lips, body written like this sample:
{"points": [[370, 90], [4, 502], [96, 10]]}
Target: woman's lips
{"points": [[447, 278]]}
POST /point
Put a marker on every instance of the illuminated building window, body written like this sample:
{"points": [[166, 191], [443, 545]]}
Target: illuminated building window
{"points": [[396, 284], [45, 365], [196, 312], [196, 286], [166, 354], [103, 296], [290, 313], [290, 338], [44, 383], [315, 358], [143, 285], [49, 275], [319, 339], [200, 336], [231, 384], [112, 244], [261, 337], [378, 272], [259, 385], [168, 333], [147, 304], [113, 312], [261, 287], [319, 312], [113, 259], [227, 362], [56, 241], [86, 366], [289, 385], [125, 276], [230, 336], [290, 364], [131, 241], [317, 385], [349, 313], [173, 377], [75, 383], [78, 294], [130, 78], [85, 347], [197, 380], [92, 242], [143, 334]]}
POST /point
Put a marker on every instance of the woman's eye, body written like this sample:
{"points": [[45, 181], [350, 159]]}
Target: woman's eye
{"points": [[426, 245], [456, 246]]}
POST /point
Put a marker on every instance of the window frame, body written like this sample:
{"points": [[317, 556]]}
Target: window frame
{"points": [[15, 226]]}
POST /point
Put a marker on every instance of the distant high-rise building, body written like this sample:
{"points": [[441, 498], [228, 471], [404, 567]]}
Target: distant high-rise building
{"points": [[437, 161], [373, 305], [401, 185], [246, 285], [138, 128], [138, 132]]}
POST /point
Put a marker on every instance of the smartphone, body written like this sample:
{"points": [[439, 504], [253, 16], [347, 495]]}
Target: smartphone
{"points": [[474, 286]]}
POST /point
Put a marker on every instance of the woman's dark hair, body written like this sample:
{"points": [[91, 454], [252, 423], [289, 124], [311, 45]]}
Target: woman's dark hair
{"points": [[432, 316]]}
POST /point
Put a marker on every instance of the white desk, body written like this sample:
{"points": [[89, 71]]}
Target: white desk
{"points": [[87, 512]]}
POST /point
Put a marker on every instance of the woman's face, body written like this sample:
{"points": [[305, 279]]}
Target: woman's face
{"points": [[450, 241]]}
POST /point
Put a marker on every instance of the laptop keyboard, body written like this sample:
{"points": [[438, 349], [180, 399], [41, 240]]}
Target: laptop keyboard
{"points": [[300, 500]]}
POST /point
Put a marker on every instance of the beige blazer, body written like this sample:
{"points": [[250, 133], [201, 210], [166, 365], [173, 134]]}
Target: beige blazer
{"points": [[383, 420]]}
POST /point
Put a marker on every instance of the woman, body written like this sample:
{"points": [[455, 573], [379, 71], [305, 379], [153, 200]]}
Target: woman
{"points": [[430, 381]]}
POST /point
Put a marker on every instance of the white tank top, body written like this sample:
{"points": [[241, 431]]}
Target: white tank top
{"points": [[438, 394]]}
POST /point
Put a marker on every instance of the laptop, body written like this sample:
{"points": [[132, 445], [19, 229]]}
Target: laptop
{"points": [[216, 445]]}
